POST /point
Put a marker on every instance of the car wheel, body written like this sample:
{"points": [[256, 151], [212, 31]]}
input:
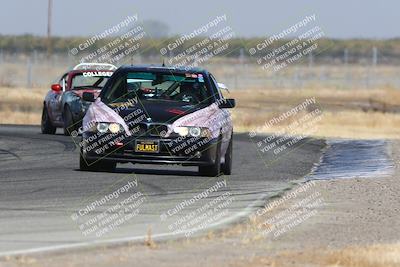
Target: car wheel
{"points": [[226, 167], [214, 169], [99, 165], [107, 166], [85, 165], [69, 125], [46, 125]]}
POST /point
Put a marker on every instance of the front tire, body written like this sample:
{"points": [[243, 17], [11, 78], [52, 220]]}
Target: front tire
{"points": [[46, 126], [226, 167], [213, 170], [69, 125]]}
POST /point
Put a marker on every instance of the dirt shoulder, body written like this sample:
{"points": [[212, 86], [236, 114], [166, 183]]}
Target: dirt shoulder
{"points": [[356, 226], [350, 222]]}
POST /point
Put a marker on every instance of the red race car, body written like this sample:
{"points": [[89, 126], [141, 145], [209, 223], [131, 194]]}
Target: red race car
{"points": [[63, 105]]}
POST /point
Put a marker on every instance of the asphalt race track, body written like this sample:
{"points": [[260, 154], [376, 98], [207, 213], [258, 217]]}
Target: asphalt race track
{"points": [[42, 190]]}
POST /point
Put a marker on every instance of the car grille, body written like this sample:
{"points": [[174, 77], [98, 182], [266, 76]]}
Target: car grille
{"points": [[152, 129]]}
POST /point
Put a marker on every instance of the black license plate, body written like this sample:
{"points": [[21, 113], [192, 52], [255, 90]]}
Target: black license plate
{"points": [[147, 146]]}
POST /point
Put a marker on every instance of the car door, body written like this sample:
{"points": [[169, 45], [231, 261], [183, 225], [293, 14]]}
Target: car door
{"points": [[55, 103]]}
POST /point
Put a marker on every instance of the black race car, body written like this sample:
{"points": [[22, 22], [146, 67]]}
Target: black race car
{"points": [[159, 115]]}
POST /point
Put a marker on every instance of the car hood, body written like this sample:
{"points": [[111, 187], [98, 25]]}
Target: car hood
{"points": [[159, 110]]}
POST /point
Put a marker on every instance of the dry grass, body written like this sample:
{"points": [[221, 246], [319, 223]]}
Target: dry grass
{"points": [[346, 113], [358, 124], [18, 117], [149, 242], [23, 96], [256, 98], [371, 256], [21, 105], [377, 256], [341, 124]]}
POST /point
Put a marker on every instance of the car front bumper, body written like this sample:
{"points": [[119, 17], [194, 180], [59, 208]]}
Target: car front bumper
{"points": [[188, 152]]}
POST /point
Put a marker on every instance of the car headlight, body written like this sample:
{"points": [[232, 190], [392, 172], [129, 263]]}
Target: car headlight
{"points": [[114, 127], [195, 131], [182, 131], [102, 127], [192, 131]]}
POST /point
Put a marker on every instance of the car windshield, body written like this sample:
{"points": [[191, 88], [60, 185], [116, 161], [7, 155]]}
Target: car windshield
{"points": [[87, 80], [187, 87]]}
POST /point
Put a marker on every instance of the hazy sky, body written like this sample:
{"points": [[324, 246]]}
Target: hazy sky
{"points": [[338, 18]]}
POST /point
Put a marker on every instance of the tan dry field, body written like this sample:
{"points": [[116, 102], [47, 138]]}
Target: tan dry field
{"points": [[366, 113], [385, 255], [21, 105]]}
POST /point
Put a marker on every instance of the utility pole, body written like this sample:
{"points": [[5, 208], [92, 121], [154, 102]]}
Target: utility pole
{"points": [[374, 56], [49, 11]]}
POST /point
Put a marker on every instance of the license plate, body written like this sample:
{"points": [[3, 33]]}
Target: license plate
{"points": [[147, 146]]}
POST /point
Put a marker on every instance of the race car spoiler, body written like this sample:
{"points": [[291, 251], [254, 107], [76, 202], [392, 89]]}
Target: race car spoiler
{"points": [[100, 66]]}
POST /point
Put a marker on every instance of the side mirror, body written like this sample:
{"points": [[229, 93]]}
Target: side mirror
{"points": [[56, 87], [88, 96], [222, 86], [227, 103]]}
